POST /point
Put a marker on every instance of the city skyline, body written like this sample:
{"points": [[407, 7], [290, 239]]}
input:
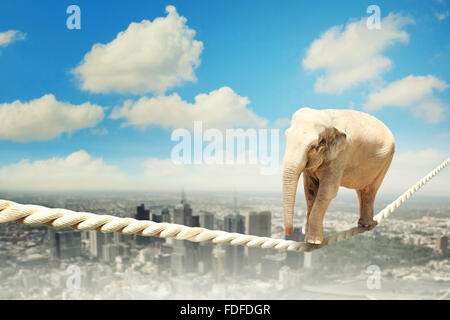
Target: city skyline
{"points": [[114, 266]]}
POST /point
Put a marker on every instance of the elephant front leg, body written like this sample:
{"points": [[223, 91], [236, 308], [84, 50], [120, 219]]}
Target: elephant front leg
{"points": [[314, 234], [311, 186]]}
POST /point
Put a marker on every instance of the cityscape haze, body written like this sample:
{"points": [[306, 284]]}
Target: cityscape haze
{"points": [[46, 263]]}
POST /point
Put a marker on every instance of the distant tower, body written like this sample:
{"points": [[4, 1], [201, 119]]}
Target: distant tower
{"points": [[234, 261], [294, 259], [183, 196], [142, 214], [185, 254], [165, 214], [207, 220], [258, 224], [65, 243]]}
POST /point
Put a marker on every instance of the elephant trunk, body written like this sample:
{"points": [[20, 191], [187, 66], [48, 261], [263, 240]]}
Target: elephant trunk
{"points": [[291, 174]]}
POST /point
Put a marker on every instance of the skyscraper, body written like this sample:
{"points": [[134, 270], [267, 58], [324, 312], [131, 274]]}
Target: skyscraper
{"points": [[65, 243], [206, 248], [182, 214], [207, 220], [156, 241], [110, 251], [294, 259], [165, 215], [185, 254], [97, 240], [234, 255], [142, 214], [258, 224]]}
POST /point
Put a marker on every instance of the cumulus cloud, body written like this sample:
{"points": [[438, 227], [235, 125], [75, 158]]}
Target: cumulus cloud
{"points": [[282, 123], [77, 171], [414, 92], [221, 109], [352, 54], [45, 118], [80, 171], [8, 37], [213, 177], [407, 168], [147, 57]]}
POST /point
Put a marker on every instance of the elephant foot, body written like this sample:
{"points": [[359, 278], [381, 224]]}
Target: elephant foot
{"points": [[313, 239], [367, 224]]}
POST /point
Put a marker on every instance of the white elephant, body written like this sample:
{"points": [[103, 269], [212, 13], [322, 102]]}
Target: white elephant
{"points": [[334, 148]]}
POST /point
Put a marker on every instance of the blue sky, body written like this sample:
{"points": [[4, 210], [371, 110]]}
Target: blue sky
{"points": [[256, 48]]}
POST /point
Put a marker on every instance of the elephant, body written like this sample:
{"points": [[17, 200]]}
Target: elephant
{"points": [[333, 148]]}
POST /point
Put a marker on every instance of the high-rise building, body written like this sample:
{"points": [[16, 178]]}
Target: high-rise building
{"points": [[185, 253], [65, 243], [110, 251], [205, 249], [442, 243], [219, 256], [95, 243], [258, 224], [234, 261], [142, 214], [207, 220], [294, 259], [205, 256], [120, 238], [156, 217], [195, 222], [165, 214], [97, 240], [156, 241], [182, 214]]}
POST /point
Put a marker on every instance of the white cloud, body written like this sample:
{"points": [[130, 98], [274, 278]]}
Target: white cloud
{"points": [[213, 177], [442, 15], [352, 55], [221, 109], [408, 168], [147, 57], [8, 37], [99, 131], [415, 92], [45, 118], [78, 171], [282, 123]]}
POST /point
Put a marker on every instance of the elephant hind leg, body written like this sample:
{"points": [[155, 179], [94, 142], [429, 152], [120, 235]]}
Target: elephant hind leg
{"points": [[366, 203], [367, 195]]}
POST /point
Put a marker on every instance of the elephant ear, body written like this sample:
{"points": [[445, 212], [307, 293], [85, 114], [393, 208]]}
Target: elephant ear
{"points": [[336, 144]]}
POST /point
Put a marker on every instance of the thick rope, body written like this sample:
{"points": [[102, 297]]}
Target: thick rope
{"points": [[62, 218]]}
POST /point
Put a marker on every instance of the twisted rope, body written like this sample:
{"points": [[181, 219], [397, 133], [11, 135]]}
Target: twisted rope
{"points": [[62, 218]]}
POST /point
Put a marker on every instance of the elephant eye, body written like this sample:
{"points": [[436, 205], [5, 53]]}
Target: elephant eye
{"points": [[322, 142]]}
